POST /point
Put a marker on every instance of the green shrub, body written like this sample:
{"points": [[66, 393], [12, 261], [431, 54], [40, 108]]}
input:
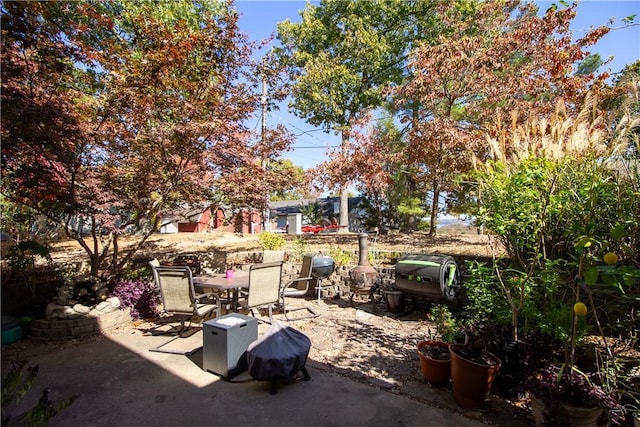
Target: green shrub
{"points": [[340, 256], [373, 256], [311, 213], [485, 301], [15, 385], [556, 219], [22, 256], [299, 249], [424, 226], [448, 327], [271, 241], [541, 207]]}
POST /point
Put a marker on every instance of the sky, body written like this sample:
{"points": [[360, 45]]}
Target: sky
{"points": [[259, 19]]}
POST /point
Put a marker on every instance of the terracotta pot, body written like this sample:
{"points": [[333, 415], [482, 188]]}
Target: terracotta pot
{"points": [[583, 417], [395, 301], [471, 380], [437, 372], [577, 417]]}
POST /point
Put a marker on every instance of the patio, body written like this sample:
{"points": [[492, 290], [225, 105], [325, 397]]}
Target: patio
{"points": [[363, 365]]}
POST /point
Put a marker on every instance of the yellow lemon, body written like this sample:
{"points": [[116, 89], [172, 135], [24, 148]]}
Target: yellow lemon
{"points": [[580, 309], [610, 258]]}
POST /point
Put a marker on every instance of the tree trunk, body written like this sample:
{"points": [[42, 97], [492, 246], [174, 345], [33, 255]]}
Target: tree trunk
{"points": [[114, 259], [344, 209], [380, 214], [434, 208], [344, 192], [412, 223]]}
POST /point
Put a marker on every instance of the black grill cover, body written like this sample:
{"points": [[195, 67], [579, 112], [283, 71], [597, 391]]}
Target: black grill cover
{"points": [[280, 353]]}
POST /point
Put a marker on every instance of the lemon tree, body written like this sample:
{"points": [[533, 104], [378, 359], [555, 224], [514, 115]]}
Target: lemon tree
{"points": [[610, 258], [580, 309]]}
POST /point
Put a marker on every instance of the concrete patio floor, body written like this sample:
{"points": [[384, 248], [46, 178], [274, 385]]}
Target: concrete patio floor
{"points": [[118, 381]]}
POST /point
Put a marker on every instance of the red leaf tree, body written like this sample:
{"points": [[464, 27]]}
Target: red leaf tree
{"points": [[115, 113], [496, 55]]}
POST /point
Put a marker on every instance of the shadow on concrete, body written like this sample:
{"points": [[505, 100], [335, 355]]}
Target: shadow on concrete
{"points": [[118, 381]]}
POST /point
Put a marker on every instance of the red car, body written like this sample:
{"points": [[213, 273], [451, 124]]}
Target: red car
{"points": [[319, 228]]}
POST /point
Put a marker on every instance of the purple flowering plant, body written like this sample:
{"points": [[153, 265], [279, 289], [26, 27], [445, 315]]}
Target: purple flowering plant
{"points": [[139, 295], [558, 386]]}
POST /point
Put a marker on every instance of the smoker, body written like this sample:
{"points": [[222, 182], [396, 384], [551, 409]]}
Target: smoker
{"points": [[433, 277], [364, 278]]}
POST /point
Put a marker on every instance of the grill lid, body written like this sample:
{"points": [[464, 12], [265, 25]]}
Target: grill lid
{"points": [[322, 266], [321, 261]]}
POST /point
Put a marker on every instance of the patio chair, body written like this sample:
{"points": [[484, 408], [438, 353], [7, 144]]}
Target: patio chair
{"points": [[264, 287], [299, 287], [179, 298], [272, 256], [153, 264]]}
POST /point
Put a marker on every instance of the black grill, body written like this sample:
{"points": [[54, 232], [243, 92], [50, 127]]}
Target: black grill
{"points": [[322, 266]]}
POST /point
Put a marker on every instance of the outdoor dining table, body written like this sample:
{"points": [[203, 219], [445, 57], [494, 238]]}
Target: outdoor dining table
{"points": [[220, 283]]}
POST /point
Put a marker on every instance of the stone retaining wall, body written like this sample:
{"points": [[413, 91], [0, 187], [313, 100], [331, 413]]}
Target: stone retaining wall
{"points": [[335, 286], [57, 330]]}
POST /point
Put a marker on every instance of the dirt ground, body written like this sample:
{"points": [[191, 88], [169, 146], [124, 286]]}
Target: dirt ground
{"points": [[364, 341], [461, 241]]}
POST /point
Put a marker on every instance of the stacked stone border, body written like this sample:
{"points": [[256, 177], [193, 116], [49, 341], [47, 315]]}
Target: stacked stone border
{"points": [[335, 286], [59, 330]]}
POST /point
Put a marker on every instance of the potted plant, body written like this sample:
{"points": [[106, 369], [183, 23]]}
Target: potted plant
{"points": [[564, 396], [473, 370], [435, 361]]}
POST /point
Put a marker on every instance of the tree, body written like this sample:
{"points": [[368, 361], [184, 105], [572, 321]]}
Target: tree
{"points": [[135, 108], [342, 55], [497, 55], [44, 144], [372, 161], [372, 156], [311, 213], [296, 179]]}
